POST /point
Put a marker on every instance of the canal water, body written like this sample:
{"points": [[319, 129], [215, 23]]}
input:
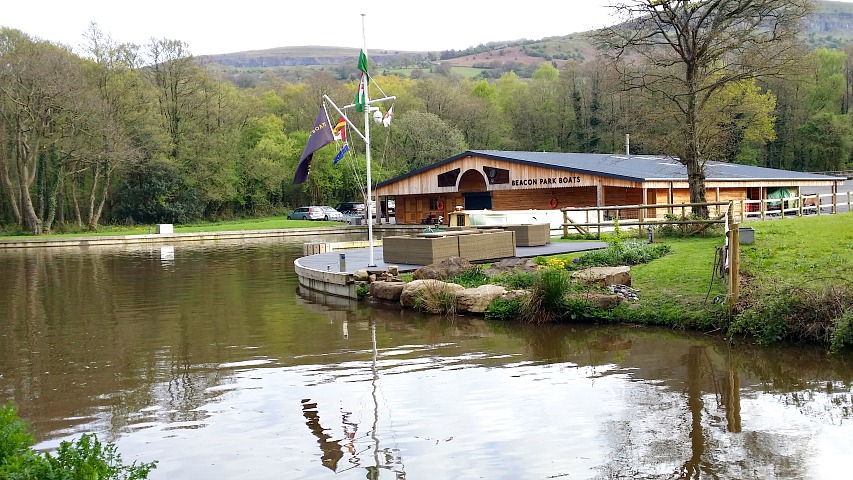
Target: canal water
{"points": [[209, 359]]}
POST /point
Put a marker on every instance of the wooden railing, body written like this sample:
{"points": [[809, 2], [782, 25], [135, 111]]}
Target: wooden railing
{"points": [[640, 216], [828, 203]]}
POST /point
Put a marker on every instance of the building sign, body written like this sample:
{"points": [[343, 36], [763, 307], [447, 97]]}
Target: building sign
{"points": [[546, 181]]}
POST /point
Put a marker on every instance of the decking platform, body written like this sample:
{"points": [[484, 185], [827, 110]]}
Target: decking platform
{"points": [[322, 271]]}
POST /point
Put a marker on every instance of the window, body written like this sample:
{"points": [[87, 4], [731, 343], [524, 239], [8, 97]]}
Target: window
{"points": [[448, 179], [496, 175]]}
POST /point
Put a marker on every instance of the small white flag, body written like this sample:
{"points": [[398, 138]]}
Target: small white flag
{"points": [[386, 120]]}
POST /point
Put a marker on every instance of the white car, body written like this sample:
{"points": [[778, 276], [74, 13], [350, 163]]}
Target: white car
{"points": [[330, 213]]}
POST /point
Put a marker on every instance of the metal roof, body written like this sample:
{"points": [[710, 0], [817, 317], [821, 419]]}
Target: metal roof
{"points": [[637, 168]]}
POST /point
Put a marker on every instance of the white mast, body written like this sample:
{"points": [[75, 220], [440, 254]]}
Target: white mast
{"points": [[366, 138], [372, 262]]}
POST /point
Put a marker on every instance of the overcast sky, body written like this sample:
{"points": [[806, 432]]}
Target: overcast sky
{"points": [[211, 27]]}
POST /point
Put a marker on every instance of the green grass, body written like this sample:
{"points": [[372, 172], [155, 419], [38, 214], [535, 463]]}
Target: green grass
{"points": [[814, 250], [267, 223]]}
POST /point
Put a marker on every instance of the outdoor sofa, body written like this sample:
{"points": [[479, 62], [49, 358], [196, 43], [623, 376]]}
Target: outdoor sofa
{"points": [[428, 248]]}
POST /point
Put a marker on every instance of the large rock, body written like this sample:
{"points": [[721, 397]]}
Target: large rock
{"points": [[447, 268], [511, 265], [603, 276], [599, 300], [383, 290], [428, 288], [476, 300]]}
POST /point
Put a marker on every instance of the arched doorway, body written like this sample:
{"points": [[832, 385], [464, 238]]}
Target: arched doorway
{"points": [[472, 186]]}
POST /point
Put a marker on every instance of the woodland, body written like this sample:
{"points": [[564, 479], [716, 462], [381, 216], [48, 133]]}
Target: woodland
{"points": [[139, 134]]}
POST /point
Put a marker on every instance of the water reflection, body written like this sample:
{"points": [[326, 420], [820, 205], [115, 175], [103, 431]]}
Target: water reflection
{"points": [[215, 363]]}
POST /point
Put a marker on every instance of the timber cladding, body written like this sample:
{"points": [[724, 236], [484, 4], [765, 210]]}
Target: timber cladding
{"points": [[472, 176], [548, 181]]}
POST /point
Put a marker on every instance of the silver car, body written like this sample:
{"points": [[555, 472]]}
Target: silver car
{"points": [[309, 213]]}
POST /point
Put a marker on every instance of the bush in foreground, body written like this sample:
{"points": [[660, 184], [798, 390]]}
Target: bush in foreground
{"points": [[84, 459], [798, 313]]}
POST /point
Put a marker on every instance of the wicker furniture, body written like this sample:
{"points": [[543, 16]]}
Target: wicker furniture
{"points": [[418, 250], [428, 248], [489, 245], [531, 235]]}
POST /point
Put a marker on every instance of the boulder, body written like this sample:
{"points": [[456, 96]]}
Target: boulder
{"points": [[383, 290], [511, 265], [424, 288], [476, 300], [361, 275], [447, 268], [598, 300], [604, 276]]}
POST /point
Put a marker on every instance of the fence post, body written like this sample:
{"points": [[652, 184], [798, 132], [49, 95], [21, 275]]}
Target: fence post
{"points": [[565, 224], [598, 216], [640, 218], [834, 202], [763, 208], [734, 267]]}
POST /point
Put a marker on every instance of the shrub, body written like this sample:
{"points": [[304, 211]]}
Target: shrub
{"points": [[545, 302], [631, 252], [842, 333], [518, 280], [362, 290], [437, 297], [795, 312], [84, 459], [505, 309], [471, 278]]}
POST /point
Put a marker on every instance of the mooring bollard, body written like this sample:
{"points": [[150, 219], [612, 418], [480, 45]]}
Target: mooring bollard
{"points": [[343, 265]]}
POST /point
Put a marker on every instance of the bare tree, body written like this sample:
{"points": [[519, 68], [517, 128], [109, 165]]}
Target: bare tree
{"points": [[686, 51], [114, 103]]}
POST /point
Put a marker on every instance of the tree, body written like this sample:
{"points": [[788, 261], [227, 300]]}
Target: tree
{"points": [[40, 104], [115, 107], [421, 139], [685, 52]]}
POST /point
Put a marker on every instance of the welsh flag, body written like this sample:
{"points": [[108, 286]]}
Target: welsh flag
{"points": [[361, 95]]}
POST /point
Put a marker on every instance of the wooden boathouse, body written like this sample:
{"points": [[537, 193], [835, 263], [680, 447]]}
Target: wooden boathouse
{"points": [[510, 180]]}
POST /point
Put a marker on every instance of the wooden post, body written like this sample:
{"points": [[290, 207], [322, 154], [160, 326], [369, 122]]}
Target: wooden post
{"points": [[734, 267], [565, 224], [598, 220], [818, 204], [801, 204]]}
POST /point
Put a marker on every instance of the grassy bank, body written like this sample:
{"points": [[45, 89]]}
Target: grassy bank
{"points": [[796, 285], [267, 223]]}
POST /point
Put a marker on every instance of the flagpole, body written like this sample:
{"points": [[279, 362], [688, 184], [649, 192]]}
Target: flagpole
{"points": [[369, 209]]}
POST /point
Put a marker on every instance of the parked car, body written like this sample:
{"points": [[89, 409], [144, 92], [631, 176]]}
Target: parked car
{"points": [[313, 212], [332, 214], [351, 208]]}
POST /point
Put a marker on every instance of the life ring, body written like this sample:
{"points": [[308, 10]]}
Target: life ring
{"points": [[553, 202], [440, 205]]}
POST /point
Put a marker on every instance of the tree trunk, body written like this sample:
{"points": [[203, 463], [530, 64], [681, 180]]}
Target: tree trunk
{"points": [[10, 189], [26, 177], [693, 162]]}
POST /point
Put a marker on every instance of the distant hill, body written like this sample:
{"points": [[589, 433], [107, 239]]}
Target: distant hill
{"points": [[831, 26]]}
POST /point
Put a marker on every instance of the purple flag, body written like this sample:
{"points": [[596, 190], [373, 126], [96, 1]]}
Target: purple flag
{"points": [[321, 135]]}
